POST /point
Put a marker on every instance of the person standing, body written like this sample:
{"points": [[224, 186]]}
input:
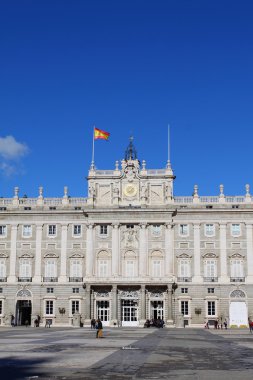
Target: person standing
{"points": [[99, 327]]}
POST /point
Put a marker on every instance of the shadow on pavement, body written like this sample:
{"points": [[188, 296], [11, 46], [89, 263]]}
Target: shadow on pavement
{"points": [[13, 368]]}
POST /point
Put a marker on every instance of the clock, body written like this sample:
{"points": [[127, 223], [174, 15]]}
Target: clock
{"points": [[130, 190]]}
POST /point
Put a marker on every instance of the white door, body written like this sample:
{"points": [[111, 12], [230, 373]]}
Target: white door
{"points": [[129, 313], [238, 313], [103, 312]]}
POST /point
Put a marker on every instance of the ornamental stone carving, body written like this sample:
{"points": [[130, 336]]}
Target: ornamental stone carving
{"points": [[129, 294], [237, 294], [24, 293]]}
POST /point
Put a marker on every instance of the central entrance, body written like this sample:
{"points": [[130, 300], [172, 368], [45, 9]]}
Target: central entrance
{"points": [[156, 310], [129, 312], [103, 311], [23, 312]]}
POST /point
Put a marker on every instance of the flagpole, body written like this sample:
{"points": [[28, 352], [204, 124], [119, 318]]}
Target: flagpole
{"points": [[93, 145], [168, 162]]}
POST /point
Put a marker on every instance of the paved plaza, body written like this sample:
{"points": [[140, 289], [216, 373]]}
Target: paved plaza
{"points": [[125, 353]]}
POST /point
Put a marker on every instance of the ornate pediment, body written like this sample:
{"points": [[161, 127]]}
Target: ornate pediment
{"points": [[129, 254], [51, 255], [4, 255], [76, 255], [26, 256], [210, 256], [156, 253], [237, 256], [184, 256], [103, 254]]}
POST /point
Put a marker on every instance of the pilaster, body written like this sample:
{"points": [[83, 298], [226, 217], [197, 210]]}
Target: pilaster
{"points": [[143, 250], [115, 250], [196, 235], [114, 305], [13, 254], [249, 277], [63, 273], [143, 316], [169, 251], [89, 251], [37, 272], [223, 253]]}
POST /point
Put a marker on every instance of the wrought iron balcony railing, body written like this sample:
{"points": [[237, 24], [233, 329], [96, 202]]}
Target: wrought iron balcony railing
{"points": [[184, 279], [50, 279], [3, 279], [210, 279], [237, 279], [24, 279], [75, 279]]}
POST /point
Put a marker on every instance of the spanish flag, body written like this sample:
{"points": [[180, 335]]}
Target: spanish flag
{"points": [[99, 134]]}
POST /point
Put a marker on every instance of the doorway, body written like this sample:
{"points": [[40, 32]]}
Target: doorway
{"points": [[156, 310], [23, 312], [103, 312], [238, 314], [129, 312]]}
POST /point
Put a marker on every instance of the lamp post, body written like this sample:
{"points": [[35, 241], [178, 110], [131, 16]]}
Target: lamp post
{"points": [[174, 288]]}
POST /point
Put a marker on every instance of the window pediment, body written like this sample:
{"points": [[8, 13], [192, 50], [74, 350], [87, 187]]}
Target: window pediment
{"points": [[130, 254], [4, 255], [103, 254], [210, 256], [156, 253], [50, 255], [184, 256], [237, 256], [76, 255], [26, 256]]}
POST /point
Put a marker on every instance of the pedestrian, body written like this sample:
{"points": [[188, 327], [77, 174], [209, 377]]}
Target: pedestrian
{"points": [[99, 327], [26, 323], [225, 324], [92, 323], [250, 325]]}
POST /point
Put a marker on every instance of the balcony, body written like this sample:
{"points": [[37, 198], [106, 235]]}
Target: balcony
{"points": [[184, 279], [75, 279], [3, 279], [50, 279], [210, 279], [237, 279], [24, 279]]}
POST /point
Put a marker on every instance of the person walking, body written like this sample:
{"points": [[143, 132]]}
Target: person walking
{"points": [[99, 327], [250, 325], [225, 324]]}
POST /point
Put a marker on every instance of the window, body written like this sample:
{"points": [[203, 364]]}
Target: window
{"points": [[210, 290], [75, 307], [3, 231], [209, 230], [52, 230], [156, 268], [2, 268], [1, 307], [211, 308], [156, 230], [235, 229], [49, 307], [130, 268], [50, 268], [237, 268], [183, 229], [184, 268], [1, 290], [129, 226], [25, 269], [103, 268], [27, 231], [184, 290], [210, 268], [75, 268], [75, 290], [77, 230], [50, 290], [103, 230], [185, 307]]}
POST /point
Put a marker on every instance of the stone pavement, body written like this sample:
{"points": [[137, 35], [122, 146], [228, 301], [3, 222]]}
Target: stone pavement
{"points": [[125, 353]]}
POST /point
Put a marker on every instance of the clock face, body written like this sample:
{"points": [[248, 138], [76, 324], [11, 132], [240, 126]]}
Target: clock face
{"points": [[130, 190]]}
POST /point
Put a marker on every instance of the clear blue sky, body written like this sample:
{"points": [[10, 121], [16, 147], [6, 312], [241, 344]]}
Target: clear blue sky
{"points": [[128, 67]]}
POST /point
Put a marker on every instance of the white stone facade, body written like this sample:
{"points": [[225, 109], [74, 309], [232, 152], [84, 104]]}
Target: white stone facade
{"points": [[131, 251]]}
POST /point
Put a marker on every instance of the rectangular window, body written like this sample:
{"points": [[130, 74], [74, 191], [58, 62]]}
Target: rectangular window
{"points": [[210, 268], [3, 230], [130, 268], [185, 307], [77, 230], [75, 307], [211, 308], [1, 290], [209, 230], [237, 268], [235, 229], [184, 290], [27, 231], [183, 229], [210, 290], [75, 290], [50, 268], [25, 269], [50, 290], [75, 268], [184, 268], [103, 268], [103, 230], [156, 268], [156, 230], [52, 230], [49, 307], [1, 307]]}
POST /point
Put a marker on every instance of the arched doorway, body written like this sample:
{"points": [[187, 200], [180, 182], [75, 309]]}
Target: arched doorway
{"points": [[23, 308], [238, 310]]}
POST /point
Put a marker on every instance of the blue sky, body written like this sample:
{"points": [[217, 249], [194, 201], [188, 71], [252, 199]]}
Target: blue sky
{"points": [[128, 67]]}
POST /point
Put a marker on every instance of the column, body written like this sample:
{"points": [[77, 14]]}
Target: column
{"points": [[196, 235], [249, 277], [64, 235], [13, 254], [143, 304], [89, 251], [114, 304], [115, 250], [169, 251], [87, 304], [143, 250], [37, 272], [223, 252], [170, 307]]}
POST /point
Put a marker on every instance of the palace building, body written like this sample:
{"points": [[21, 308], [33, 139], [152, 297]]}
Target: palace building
{"points": [[128, 252]]}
